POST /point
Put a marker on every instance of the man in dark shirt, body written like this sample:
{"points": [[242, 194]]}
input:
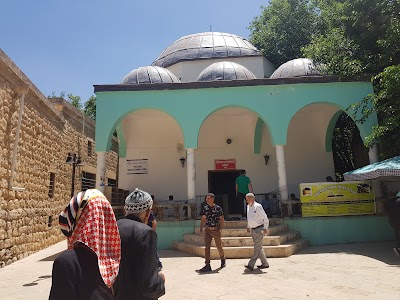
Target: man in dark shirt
{"points": [[152, 222], [213, 219], [138, 276]]}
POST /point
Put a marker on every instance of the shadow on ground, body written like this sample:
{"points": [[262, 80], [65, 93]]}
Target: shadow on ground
{"points": [[36, 281], [174, 253], [382, 251], [51, 257]]}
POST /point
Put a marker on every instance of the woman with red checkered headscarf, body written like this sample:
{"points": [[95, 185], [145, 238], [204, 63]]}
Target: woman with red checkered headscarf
{"points": [[89, 268]]}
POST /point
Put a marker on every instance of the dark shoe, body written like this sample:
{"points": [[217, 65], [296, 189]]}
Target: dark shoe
{"points": [[160, 266], [206, 268], [223, 264], [249, 268], [397, 251], [263, 266]]}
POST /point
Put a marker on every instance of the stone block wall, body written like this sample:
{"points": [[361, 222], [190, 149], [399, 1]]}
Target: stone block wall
{"points": [[29, 218]]}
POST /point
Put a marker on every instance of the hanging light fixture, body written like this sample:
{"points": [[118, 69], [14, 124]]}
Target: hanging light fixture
{"points": [[74, 161], [182, 159], [70, 159], [266, 158]]}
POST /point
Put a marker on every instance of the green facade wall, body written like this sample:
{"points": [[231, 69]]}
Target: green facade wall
{"points": [[341, 230], [275, 105], [167, 232], [318, 230]]}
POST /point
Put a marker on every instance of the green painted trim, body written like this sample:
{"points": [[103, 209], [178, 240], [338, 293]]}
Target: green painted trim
{"points": [[258, 136], [167, 232], [276, 105], [341, 230], [121, 141], [329, 131]]}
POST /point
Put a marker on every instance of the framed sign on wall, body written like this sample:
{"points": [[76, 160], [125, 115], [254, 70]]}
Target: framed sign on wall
{"points": [[137, 166]]}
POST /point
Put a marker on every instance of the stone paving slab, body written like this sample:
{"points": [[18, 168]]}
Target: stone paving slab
{"points": [[346, 271]]}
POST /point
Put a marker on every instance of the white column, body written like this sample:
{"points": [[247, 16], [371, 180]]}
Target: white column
{"points": [[376, 184], [373, 154], [101, 171], [191, 174], [282, 180]]}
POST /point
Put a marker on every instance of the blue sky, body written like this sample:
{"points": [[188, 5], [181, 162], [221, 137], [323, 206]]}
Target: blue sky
{"points": [[71, 45]]}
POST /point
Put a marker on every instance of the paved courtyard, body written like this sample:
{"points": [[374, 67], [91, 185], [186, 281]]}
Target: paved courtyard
{"points": [[347, 271]]}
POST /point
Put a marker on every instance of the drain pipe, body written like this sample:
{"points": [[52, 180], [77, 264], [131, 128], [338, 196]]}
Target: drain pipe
{"points": [[21, 90]]}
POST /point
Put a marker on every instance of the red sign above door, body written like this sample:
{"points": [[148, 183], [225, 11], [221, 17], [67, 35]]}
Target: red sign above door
{"points": [[225, 164]]}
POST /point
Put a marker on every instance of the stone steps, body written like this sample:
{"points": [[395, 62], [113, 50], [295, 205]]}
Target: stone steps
{"points": [[237, 242], [243, 251], [242, 232], [232, 241]]}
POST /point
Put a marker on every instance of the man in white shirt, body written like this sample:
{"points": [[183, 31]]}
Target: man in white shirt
{"points": [[257, 223]]}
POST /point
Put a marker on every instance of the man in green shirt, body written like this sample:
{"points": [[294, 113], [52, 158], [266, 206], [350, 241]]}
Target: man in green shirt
{"points": [[243, 186]]}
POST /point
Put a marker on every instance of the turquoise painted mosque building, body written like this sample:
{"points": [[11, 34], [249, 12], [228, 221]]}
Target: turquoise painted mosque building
{"points": [[210, 105]]}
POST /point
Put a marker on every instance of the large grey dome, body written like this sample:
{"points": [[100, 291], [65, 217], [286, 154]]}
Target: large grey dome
{"points": [[149, 74], [225, 70], [205, 45], [298, 67]]}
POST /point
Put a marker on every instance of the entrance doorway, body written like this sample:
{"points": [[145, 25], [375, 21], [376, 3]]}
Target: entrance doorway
{"points": [[222, 182]]}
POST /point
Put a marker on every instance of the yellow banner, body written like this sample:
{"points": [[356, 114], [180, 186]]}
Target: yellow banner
{"points": [[337, 198]]}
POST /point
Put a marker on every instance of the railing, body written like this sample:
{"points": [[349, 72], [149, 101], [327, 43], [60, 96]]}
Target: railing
{"points": [[88, 183], [174, 210], [221, 200], [271, 202]]}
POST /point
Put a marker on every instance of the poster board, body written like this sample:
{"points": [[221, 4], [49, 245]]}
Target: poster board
{"points": [[337, 198]]}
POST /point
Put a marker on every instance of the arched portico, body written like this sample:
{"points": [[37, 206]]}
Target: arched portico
{"points": [[274, 102]]}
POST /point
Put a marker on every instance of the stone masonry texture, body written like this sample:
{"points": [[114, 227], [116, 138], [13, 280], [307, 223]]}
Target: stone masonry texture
{"points": [[29, 218]]}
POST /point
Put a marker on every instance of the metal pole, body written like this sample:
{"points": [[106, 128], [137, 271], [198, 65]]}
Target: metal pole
{"points": [[73, 177]]}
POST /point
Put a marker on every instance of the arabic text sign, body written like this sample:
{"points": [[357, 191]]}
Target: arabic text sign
{"points": [[137, 166], [337, 198], [225, 164]]}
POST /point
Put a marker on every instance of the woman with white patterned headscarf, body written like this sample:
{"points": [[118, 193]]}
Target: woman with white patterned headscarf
{"points": [[89, 268]]}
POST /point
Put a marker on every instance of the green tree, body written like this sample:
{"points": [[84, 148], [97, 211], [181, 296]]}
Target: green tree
{"points": [[364, 33], [337, 52], [283, 27], [53, 95], [351, 38], [90, 107], [385, 102], [75, 101]]}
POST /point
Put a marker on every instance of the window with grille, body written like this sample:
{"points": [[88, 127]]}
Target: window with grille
{"points": [[90, 148], [88, 181], [52, 184], [112, 182]]}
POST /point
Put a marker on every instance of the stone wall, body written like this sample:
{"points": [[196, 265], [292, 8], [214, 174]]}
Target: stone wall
{"points": [[29, 217]]}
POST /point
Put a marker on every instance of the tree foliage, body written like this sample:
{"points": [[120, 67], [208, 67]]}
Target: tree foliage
{"points": [[90, 107], [365, 33], [351, 38], [75, 101], [341, 50], [385, 102], [283, 28]]}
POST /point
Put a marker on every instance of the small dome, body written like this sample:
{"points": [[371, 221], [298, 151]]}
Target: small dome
{"points": [[225, 70], [297, 68], [205, 45], [149, 74]]}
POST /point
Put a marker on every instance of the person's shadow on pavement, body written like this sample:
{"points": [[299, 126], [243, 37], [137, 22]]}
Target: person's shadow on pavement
{"points": [[210, 272]]}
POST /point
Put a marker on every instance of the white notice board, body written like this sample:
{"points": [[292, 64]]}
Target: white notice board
{"points": [[137, 166]]}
